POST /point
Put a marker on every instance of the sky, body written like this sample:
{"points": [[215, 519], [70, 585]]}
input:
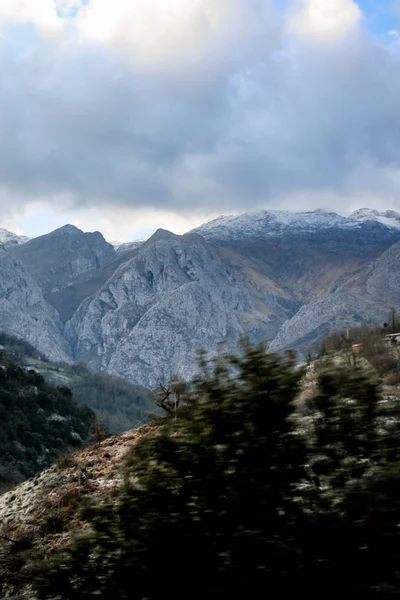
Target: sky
{"points": [[131, 115]]}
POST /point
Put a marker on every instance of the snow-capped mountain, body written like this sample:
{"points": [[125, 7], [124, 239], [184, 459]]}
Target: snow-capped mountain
{"points": [[276, 223], [143, 312], [7, 238], [390, 218]]}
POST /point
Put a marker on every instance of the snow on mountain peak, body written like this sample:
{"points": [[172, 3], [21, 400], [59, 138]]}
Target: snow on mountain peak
{"points": [[364, 213], [268, 223], [7, 238], [274, 223], [390, 218]]}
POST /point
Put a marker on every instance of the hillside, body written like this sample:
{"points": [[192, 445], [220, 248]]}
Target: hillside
{"points": [[43, 511], [320, 504], [174, 296], [38, 422], [118, 405]]}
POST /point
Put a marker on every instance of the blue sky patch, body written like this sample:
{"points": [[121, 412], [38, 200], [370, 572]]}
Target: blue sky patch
{"points": [[68, 9], [379, 16]]}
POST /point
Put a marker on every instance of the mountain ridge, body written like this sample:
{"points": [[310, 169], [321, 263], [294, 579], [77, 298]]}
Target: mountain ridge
{"points": [[273, 223], [271, 275]]}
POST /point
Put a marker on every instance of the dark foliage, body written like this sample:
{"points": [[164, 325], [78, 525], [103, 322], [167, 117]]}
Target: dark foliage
{"points": [[241, 496], [17, 347], [118, 405], [37, 422]]}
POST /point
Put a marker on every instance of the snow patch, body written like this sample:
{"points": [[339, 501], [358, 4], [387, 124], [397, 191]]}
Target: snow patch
{"points": [[275, 223]]}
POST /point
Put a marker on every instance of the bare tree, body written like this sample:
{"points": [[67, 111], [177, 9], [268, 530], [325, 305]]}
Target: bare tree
{"points": [[168, 397]]}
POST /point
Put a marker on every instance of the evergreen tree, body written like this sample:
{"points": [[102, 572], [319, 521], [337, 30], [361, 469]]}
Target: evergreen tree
{"points": [[207, 507], [241, 496]]}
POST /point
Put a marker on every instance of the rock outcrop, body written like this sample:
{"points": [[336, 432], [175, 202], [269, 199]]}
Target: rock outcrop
{"points": [[63, 259], [159, 308], [142, 313], [25, 313]]}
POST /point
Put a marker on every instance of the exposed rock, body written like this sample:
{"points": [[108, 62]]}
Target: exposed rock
{"points": [[173, 297], [319, 317], [25, 313], [275, 223], [320, 263], [126, 247], [288, 278], [384, 282], [62, 258]]}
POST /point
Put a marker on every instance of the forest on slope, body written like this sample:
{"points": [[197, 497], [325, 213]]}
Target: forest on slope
{"points": [[38, 422], [118, 405]]}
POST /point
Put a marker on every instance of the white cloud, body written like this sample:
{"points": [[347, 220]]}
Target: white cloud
{"points": [[157, 32], [258, 116], [323, 19], [41, 13]]}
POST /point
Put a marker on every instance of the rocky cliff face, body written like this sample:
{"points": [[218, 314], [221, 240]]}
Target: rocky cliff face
{"points": [[335, 271], [24, 311], [362, 297], [62, 259], [319, 317], [173, 297], [284, 277], [384, 280]]}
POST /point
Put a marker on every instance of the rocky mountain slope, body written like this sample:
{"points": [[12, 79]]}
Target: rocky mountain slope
{"points": [[25, 313], [322, 261], [64, 258], [364, 298], [8, 239], [143, 312], [174, 296], [274, 224], [122, 248]]}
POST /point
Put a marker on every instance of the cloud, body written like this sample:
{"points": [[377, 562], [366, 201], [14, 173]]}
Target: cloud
{"points": [[323, 19], [41, 13], [201, 107], [157, 31]]}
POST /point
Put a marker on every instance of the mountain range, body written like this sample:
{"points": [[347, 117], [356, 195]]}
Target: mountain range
{"points": [[142, 310]]}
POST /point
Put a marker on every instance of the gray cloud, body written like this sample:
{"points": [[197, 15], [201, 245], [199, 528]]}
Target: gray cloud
{"points": [[260, 119]]}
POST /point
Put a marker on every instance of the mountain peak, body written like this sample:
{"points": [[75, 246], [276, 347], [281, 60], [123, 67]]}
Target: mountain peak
{"points": [[162, 234], [68, 229], [390, 218], [364, 213], [275, 223], [7, 238]]}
